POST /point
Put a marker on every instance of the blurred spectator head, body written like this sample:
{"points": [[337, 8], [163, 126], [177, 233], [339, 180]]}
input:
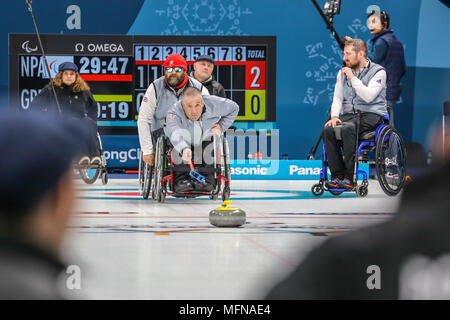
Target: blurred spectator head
{"points": [[36, 185]]}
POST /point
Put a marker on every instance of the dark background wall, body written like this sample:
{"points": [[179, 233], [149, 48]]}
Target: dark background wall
{"points": [[307, 56]]}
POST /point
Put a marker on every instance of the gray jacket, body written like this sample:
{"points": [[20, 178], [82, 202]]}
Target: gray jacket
{"points": [[183, 132], [158, 99], [352, 101]]}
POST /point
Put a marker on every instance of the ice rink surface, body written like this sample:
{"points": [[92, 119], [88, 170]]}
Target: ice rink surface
{"points": [[130, 248]]}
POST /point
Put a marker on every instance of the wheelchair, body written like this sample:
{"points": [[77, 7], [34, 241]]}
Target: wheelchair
{"points": [[90, 173], [159, 178], [389, 151]]}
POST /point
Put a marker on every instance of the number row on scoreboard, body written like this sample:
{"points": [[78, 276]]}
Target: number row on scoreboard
{"points": [[250, 76], [190, 53]]}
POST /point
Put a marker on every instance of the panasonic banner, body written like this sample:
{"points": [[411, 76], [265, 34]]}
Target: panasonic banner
{"points": [[281, 169]]}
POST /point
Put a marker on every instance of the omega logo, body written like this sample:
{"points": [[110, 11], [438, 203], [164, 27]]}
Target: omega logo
{"points": [[100, 47]]}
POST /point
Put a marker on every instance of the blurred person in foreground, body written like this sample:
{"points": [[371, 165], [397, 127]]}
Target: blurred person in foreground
{"points": [[407, 257], [37, 195]]}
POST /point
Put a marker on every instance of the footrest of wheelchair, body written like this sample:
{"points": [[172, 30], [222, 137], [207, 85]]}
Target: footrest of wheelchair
{"points": [[190, 194], [342, 190]]}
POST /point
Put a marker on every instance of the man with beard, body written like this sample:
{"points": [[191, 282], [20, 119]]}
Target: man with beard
{"points": [[203, 68], [160, 96], [360, 86]]}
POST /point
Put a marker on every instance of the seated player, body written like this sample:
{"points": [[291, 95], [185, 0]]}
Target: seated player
{"points": [[360, 86], [75, 100], [160, 96], [190, 125]]}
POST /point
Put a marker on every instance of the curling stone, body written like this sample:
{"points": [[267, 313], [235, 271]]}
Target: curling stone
{"points": [[225, 216]]}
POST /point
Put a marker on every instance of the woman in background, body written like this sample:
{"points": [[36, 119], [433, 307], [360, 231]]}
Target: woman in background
{"points": [[75, 100]]}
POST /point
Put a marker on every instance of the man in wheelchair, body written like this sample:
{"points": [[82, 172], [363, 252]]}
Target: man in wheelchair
{"points": [[160, 96], [190, 125], [360, 86]]}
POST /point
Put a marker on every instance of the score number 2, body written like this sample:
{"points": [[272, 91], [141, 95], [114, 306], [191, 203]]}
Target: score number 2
{"points": [[257, 71]]}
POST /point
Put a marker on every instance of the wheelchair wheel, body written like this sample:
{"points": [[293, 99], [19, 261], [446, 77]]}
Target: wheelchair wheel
{"points": [[362, 191], [390, 161], [226, 192], [162, 195], [104, 177], [158, 192], [89, 176], [226, 169], [317, 190], [214, 197], [145, 178]]}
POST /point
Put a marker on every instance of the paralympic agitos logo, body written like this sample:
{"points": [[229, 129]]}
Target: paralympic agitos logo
{"points": [[27, 48]]}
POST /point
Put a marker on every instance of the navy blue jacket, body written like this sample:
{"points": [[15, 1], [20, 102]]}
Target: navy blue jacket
{"points": [[393, 62], [76, 104]]}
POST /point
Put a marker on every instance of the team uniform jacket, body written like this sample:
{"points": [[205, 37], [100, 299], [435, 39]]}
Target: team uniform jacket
{"points": [[181, 130], [158, 99]]}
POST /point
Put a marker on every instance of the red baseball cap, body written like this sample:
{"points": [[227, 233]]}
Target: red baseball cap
{"points": [[175, 60]]}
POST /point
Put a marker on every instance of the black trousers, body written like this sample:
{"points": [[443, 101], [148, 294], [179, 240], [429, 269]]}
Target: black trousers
{"points": [[343, 167], [208, 177], [93, 145]]}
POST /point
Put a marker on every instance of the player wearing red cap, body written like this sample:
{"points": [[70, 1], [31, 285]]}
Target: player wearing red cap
{"points": [[160, 96]]}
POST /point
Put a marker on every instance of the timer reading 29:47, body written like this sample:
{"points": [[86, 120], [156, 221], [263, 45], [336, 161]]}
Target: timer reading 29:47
{"points": [[104, 65]]}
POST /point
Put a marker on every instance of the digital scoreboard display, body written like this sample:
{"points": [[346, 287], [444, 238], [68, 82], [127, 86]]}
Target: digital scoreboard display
{"points": [[119, 70]]}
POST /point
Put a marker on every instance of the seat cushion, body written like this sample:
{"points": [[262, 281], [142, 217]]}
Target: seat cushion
{"points": [[368, 135]]}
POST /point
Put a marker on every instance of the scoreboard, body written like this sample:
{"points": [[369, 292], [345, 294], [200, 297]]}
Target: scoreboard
{"points": [[119, 70]]}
